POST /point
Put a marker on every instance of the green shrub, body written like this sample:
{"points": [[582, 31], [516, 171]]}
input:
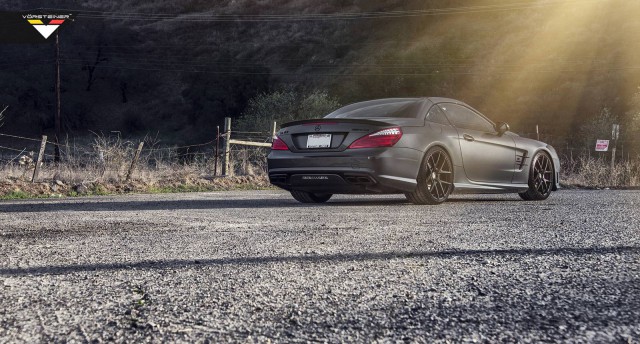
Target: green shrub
{"points": [[284, 106]]}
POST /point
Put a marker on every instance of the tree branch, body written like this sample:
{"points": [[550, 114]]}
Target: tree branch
{"points": [[2, 115]]}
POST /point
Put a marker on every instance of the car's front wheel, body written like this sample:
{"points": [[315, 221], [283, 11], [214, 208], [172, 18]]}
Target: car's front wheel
{"points": [[308, 197], [540, 178], [435, 178]]}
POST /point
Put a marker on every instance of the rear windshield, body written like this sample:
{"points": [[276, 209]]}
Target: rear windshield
{"points": [[398, 109]]}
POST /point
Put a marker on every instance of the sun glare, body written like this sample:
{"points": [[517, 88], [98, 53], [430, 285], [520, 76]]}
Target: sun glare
{"points": [[561, 54]]}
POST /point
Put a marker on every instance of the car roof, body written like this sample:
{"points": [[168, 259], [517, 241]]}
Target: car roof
{"points": [[437, 100], [368, 103], [374, 102]]}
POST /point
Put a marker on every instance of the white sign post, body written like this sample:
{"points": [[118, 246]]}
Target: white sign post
{"points": [[615, 133], [602, 145]]}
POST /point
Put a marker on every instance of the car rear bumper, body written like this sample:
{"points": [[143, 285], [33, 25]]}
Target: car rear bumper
{"points": [[392, 170]]}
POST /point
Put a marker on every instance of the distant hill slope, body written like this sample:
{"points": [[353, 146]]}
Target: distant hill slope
{"points": [[179, 68]]}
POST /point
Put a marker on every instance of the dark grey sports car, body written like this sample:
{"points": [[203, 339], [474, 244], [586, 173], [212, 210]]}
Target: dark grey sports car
{"points": [[426, 148]]}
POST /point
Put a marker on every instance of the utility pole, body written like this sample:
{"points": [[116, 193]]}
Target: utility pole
{"points": [[57, 115]]}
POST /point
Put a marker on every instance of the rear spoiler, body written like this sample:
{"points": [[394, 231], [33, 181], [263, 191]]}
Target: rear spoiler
{"points": [[335, 120]]}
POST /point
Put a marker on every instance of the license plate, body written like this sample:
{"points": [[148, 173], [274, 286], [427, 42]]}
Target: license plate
{"points": [[319, 141]]}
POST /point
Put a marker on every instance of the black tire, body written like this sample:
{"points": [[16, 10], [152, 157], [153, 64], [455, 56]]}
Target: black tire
{"points": [[541, 175], [435, 178], [308, 197]]}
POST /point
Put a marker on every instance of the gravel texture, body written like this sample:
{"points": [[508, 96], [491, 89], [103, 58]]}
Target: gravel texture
{"points": [[256, 266]]}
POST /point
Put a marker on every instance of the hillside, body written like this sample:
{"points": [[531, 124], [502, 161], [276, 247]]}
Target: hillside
{"points": [[178, 69]]}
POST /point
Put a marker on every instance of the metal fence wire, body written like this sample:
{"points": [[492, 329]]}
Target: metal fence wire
{"points": [[116, 155], [247, 152]]}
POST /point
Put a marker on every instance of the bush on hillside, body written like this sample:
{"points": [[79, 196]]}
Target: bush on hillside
{"points": [[285, 106]]}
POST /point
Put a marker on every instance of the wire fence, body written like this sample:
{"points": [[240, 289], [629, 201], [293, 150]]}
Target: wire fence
{"points": [[111, 156], [572, 148]]}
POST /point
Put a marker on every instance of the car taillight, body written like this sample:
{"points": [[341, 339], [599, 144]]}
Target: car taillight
{"points": [[381, 138], [278, 144]]}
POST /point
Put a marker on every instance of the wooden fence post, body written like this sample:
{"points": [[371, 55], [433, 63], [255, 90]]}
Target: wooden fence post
{"points": [[36, 170], [273, 130], [134, 161], [216, 151], [226, 166]]}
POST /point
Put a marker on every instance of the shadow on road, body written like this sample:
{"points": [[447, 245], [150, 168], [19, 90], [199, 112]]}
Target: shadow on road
{"points": [[142, 205], [354, 257], [79, 205]]}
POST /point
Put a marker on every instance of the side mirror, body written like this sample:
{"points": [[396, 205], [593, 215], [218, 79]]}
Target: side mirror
{"points": [[502, 127]]}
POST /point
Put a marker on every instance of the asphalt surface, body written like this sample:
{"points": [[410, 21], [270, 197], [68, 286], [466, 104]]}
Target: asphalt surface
{"points": [[256, 266]]}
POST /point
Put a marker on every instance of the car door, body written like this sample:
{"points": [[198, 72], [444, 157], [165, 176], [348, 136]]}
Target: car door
{"points": [[486, 155]]}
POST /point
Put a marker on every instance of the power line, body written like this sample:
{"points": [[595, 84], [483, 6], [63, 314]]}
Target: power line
{"points": [[164, 62], [361, 74], [178, 60], [314, 17]]}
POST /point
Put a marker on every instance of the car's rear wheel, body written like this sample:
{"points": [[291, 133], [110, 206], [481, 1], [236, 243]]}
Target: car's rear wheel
{"points": [[435, 178], [308, 197], [540, 178]]}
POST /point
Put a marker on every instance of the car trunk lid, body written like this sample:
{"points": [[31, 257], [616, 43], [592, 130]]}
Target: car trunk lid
{"points": [[328, 134]]}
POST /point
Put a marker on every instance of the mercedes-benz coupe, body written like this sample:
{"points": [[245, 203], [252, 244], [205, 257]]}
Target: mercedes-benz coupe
{"points": [[425, 148]]}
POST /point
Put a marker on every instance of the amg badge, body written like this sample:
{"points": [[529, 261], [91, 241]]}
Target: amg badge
{"points": [[315, 178]]}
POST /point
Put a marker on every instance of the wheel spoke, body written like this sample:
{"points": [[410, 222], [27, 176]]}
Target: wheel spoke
{"points": [[546, 166], [445, 190], [444, 162], [441, 189]]}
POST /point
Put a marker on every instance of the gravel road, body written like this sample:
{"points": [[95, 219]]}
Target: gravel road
{"points": [[256, 266]]}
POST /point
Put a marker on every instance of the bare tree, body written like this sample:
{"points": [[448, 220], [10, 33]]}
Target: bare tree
{"points": [[90, 67], [2, 115]]}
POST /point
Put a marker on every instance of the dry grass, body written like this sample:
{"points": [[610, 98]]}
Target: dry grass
{"points": [[595, 172], [101, 168]]}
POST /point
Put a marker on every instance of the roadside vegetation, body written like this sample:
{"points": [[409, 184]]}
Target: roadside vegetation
{"points": [[101, 166]]}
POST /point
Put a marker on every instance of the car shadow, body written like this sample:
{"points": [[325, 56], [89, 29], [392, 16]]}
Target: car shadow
{"points": [[203, 204], [132, 205], [344, 257]]}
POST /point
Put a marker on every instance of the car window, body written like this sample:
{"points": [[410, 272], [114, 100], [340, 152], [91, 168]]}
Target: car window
{"points": [[397, 109], [436, 115], [463, 117]]}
